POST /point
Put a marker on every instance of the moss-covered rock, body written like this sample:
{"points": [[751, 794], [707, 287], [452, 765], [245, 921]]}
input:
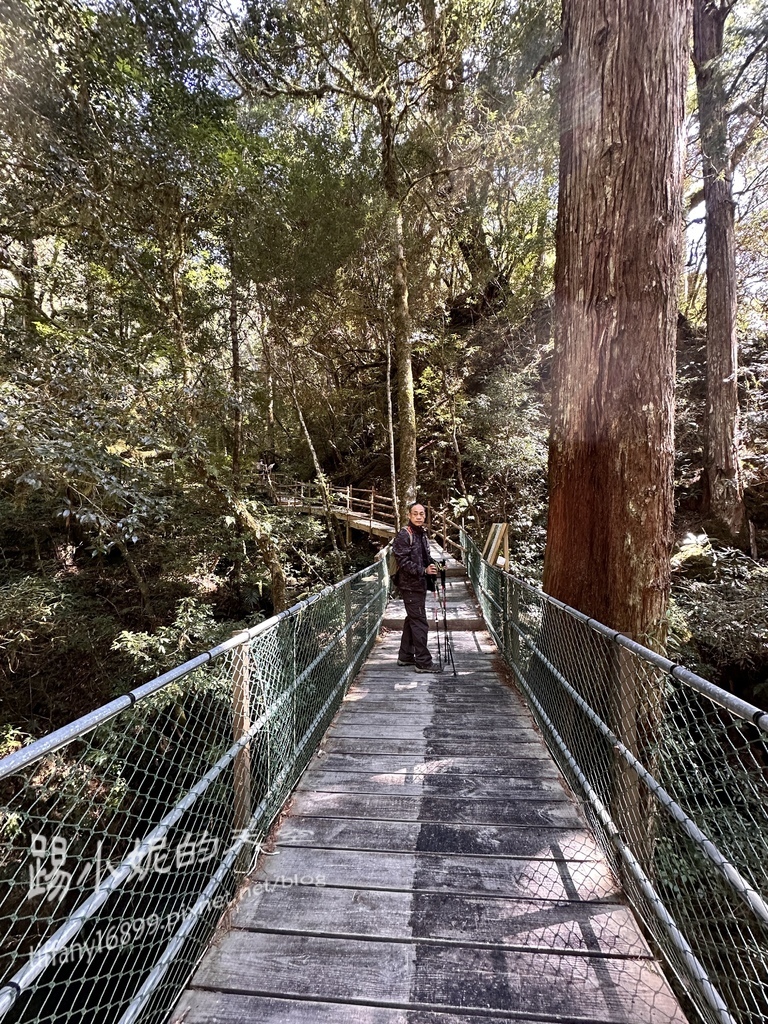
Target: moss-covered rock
{"points": [[695, 558]]}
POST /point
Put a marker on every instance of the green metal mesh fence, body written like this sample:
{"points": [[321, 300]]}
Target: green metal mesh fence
{"points": [[126, 834], [673, 773]]}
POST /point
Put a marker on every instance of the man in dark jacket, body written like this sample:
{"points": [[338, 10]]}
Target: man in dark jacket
{"points": [[414, 564]]}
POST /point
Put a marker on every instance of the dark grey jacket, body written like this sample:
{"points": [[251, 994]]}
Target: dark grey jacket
{"points": [[411, 550]]}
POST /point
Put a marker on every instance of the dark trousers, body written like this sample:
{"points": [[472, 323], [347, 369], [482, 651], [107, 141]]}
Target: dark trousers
{"points": [[413, 644]]}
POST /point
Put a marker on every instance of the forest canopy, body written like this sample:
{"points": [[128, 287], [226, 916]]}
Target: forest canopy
{"points": [[315, 240]]}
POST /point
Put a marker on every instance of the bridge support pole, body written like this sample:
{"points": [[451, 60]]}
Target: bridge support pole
{"points": [[636, 705], [241, 716], [349, 644], [511, 615], [506, 629]]}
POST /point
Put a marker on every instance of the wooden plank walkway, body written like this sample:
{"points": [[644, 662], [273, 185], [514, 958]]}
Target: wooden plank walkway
{"points": [[432, 868]]}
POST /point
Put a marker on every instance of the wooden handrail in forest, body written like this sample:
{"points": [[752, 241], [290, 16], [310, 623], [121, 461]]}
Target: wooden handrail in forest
{"points": [[358, 505]]}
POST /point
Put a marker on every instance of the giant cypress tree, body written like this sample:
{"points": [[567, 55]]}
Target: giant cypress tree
{"points": [[618, 248], [724, 498]]}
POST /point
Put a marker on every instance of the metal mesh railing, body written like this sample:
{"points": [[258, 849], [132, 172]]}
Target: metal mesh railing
{"points": [[125, 834], [673, 775]]}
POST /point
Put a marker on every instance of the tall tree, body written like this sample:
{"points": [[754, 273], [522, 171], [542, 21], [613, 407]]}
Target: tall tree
{"points": [[724, 497], [395, 69], [618, 248]]}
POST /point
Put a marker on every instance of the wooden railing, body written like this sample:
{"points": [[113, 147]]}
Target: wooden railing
{"points": [[361, 508], [362, 503]]}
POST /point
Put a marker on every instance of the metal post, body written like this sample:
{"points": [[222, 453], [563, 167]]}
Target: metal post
{"points": [[511, 614], [373, 494], [506, 630], [349, 514], [241, 723], [514, 616], [349, 643], [437, 625]]}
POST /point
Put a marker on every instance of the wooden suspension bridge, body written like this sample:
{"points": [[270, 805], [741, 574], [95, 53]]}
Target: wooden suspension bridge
{"points": [[427, 861], [431, 868]]}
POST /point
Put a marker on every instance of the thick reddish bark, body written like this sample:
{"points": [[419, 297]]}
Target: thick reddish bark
{"points": [[724, 498], [618, 251]]}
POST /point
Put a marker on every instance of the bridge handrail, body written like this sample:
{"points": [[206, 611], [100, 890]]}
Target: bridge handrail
{"points": [[740, 708], [244, 718], [673, 773], [373, 505]]}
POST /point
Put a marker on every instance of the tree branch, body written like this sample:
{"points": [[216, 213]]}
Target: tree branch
{"points": [[546, 60], [752, 55]]}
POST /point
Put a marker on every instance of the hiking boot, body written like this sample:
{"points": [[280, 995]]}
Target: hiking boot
{"points": [[433, 668], [404, 662]]}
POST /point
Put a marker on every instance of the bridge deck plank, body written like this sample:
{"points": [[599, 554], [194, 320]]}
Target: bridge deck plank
{"points": [[235, 1008], [452, 917], [526, 766], [446, 785], [432, 868], [449, 838]]}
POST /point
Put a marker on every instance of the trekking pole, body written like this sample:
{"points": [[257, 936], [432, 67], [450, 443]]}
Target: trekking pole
{"points": [[448, 645], [437, 624]]}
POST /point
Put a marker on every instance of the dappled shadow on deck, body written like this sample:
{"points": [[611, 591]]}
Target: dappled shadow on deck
{"points": [[431, 869]]}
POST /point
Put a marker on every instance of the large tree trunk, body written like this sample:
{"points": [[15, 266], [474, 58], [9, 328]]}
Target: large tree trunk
{"points": [[724, 500], [237, 410], [618, 250], [406, 405], [401, 317], [237, 379], [391, 436]]}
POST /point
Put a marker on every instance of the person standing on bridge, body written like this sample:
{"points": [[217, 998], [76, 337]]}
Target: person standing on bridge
{"points": [[415, 566]]}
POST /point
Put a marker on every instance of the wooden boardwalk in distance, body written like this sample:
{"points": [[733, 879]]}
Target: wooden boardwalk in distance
{"points": [[431, 868], [353, 519]]}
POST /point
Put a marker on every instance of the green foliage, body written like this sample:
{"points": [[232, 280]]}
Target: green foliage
{"points": [[718, 623], [193, 629], [11, 740], [195, 242], [30, 608], [506, 433]]}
